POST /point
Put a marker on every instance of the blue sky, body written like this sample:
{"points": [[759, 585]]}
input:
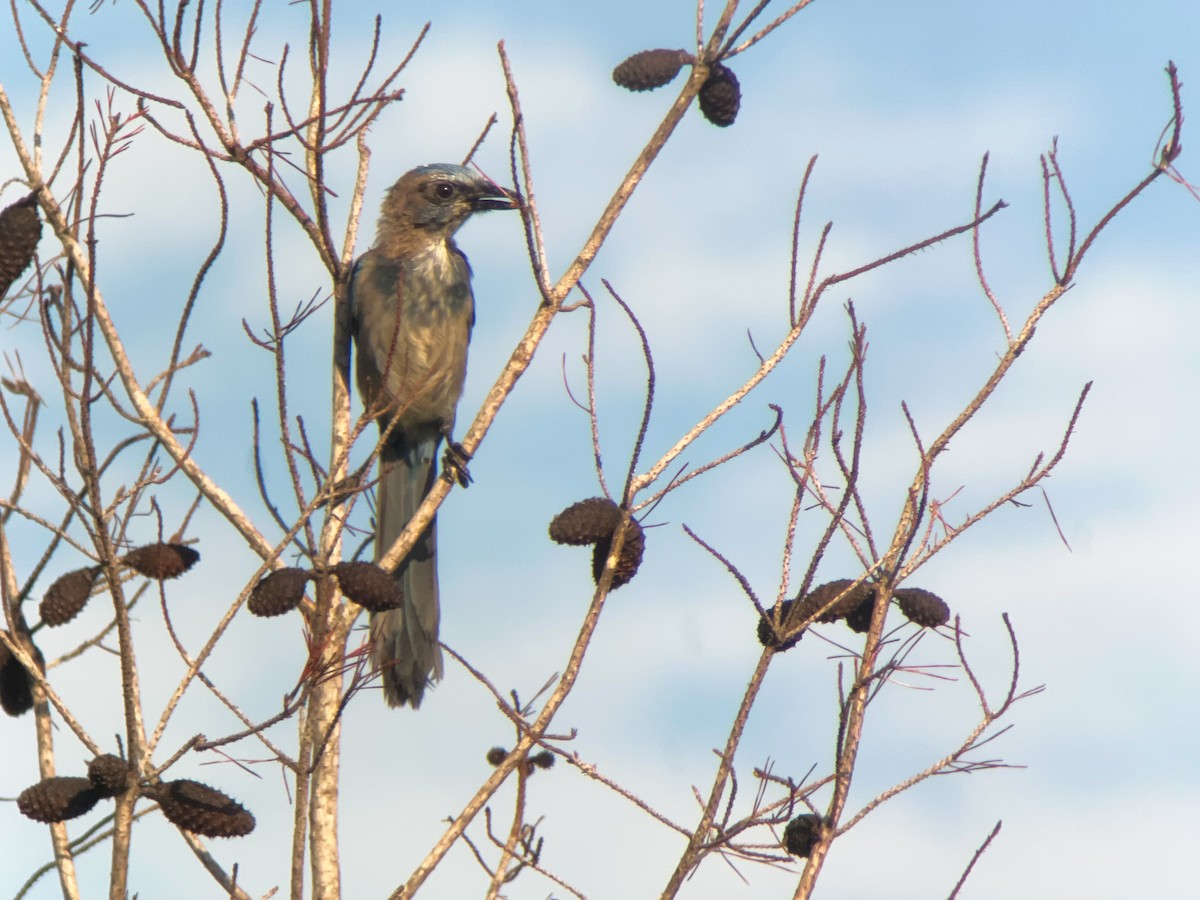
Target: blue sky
{"points": [[900, 101]]}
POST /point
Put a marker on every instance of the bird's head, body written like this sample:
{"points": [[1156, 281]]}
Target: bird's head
{"points": [[434, 201]]}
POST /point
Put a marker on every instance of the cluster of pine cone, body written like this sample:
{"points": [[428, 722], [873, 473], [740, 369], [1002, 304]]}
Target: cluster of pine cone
{"points": [[593, 521], [365, 583], [720, 96], [843, 599], [66, 598], [187, 804]]}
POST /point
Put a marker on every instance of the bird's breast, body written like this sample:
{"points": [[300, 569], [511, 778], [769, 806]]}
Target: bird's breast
{"points": [[412, 334]]}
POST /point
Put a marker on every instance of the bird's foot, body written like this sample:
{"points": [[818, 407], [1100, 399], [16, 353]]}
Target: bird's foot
{"points": [[454, 464]]}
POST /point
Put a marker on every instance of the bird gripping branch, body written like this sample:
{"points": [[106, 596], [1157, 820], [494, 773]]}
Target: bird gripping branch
{"points": [[413, 310]]}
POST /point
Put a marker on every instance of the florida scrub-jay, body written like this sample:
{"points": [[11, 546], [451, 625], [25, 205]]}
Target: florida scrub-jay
{"points": [[412, 315]]}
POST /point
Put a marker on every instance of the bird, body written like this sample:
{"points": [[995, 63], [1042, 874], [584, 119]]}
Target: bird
{"points": [[412, 311]]}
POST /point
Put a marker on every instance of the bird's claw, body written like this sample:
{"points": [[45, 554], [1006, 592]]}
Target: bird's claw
{"points": [[454, 464]]}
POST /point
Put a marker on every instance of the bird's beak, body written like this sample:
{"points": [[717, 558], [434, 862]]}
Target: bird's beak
{"points": [[496, 198]]}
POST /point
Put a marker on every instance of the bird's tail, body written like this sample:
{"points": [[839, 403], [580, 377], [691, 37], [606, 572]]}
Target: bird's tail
{"points": [[405, 640]]}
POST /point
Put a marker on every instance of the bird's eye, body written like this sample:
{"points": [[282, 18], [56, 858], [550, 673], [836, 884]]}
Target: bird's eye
{"points": [[443, 191]]}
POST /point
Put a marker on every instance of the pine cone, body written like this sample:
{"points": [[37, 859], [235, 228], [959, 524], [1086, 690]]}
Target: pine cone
{"points": [[859, 618], [20, 231], [369, 586], [161, 561], [922, 607], [16, 685], [65, 599], [767, 635], [650, 69], [109, 774], [821, 595], [791, 614], [585, 522], [200, 809], [57, 799], [720, 96], [496, 755], [801, 834], [627, 562], [542, 760], [278, 592]]}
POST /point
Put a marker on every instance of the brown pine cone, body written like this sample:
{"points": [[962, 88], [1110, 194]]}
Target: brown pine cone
{"points": [[65, 599], [801, 834], [859, 618], [57, 799], [161, 561], [585, 522], [650, 69], [824, 593], [16, 685], [627, 562], [20, 231], [768, 637], [791, 614], [369, 586], [922, 607], [200, 809], [720, 96], [278, 592], [543, 759], [109, 774]]}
